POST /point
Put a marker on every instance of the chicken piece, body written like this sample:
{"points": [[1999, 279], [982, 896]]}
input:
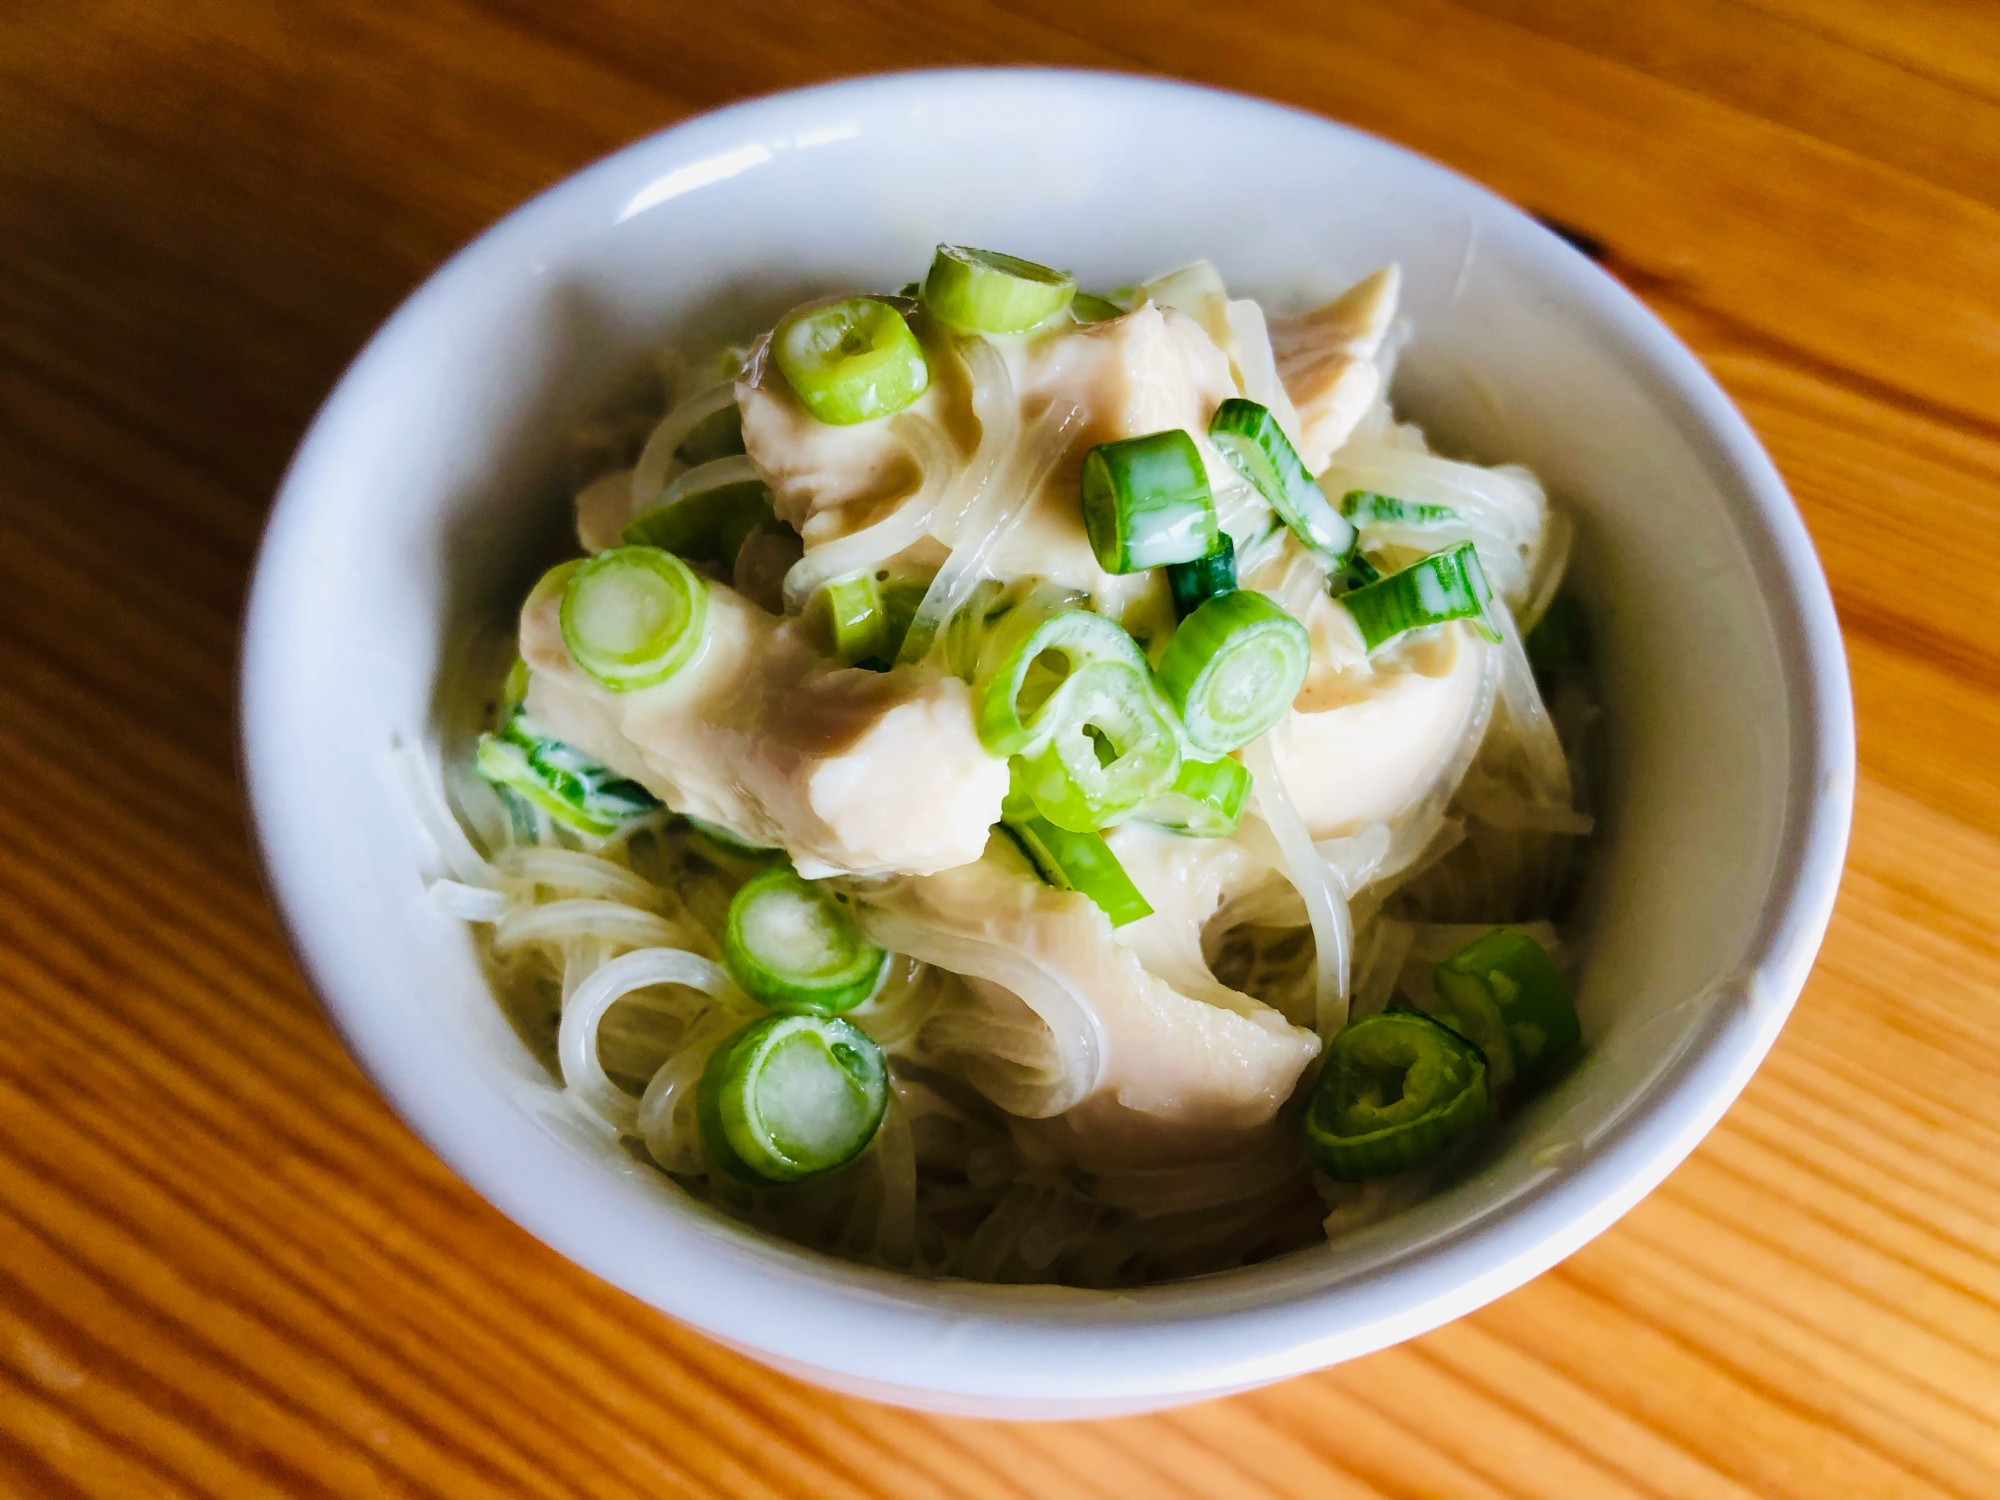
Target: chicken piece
{"points": [[1326, 358], [1149, 370], [1134, 1063], [827, 480], [1362, 745], [848, 771]]}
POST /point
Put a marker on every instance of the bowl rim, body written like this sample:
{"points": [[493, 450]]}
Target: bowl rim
{"points": [[971, 1346]]}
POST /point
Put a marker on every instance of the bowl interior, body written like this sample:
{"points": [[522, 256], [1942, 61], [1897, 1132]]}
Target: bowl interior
{"points": [[431, 490]]}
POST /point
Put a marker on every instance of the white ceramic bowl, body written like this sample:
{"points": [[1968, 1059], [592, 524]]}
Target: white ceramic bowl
{"points": [[428, 491]]}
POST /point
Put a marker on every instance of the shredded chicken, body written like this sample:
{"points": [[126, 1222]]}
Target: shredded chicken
{"points": [[1326, 358]]}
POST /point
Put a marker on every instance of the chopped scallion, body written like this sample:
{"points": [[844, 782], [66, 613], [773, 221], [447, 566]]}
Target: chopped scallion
{"points": [[1365, 508], [560, 779], [717, 435], [983, 291], [1504, 992], [790, 1097], [1233, 668], [1087, 307], [1205, 801], [1146, 502], [633, 616], [706, 526], [1448, 585], [1396, 1090], [1111, 746], [855, 618], [1034, 649], [1249, 437], [792, 947], [851, 361], [1195, 583], [1072, 861]]}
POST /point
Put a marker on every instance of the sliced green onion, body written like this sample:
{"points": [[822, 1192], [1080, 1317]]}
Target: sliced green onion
{"points": [[1111, 746], [1505, 993], [1206, 800], [1071, 861], [855, 617], [717, 435], [1396, 1090], [983, 291], [1355, 571], [1249, 437], [792, 947], [1365, 507], [851, 361], [789, 1097], [560, 779], [1233, 668], [1088, 307], [1194, 583], [728, 843], [633, 616], [1559, 645], [1447, 585], [1146, 502], [1026, 660], [514, 691], [707, 526]]}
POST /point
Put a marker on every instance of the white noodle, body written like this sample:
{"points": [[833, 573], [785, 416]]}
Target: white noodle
{"points": [[425, 789], [576, 1042], [1548, 767], [563, 921], [898, 530], [469, 903], [1008, 502], [1314, 882], [575, 874], [656, 459]]}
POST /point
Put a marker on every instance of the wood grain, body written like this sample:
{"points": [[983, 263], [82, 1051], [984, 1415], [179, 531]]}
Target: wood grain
{"points": [[226, 1269]]}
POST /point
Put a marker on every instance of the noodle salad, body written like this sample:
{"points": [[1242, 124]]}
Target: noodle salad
{"points": [[1031, 785]]}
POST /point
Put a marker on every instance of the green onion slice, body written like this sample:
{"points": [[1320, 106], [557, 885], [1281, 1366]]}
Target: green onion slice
{"points": [[633, 616], [706, 526], [792, 947], [855, 617], [729, 844], [1071, 861], [717, 435], [1233, 668], [514, 691], [1249, 437], [851, 361], [1146, 502], [1080, 862], [560, 779], [1504, 991], [1559, 645], [1447, 585], [1396, 1090], [1111, 746], [1087, 307], [1033, 651], [789, 1097], [1206, 800], [1365, 507], [983, 291], [1194, 583]]}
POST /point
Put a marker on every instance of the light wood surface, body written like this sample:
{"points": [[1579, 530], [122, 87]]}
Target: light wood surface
{"points": [[226, 1269]]}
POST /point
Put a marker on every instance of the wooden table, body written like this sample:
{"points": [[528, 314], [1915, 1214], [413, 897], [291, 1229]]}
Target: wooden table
{"points": [[226, 1269]]}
